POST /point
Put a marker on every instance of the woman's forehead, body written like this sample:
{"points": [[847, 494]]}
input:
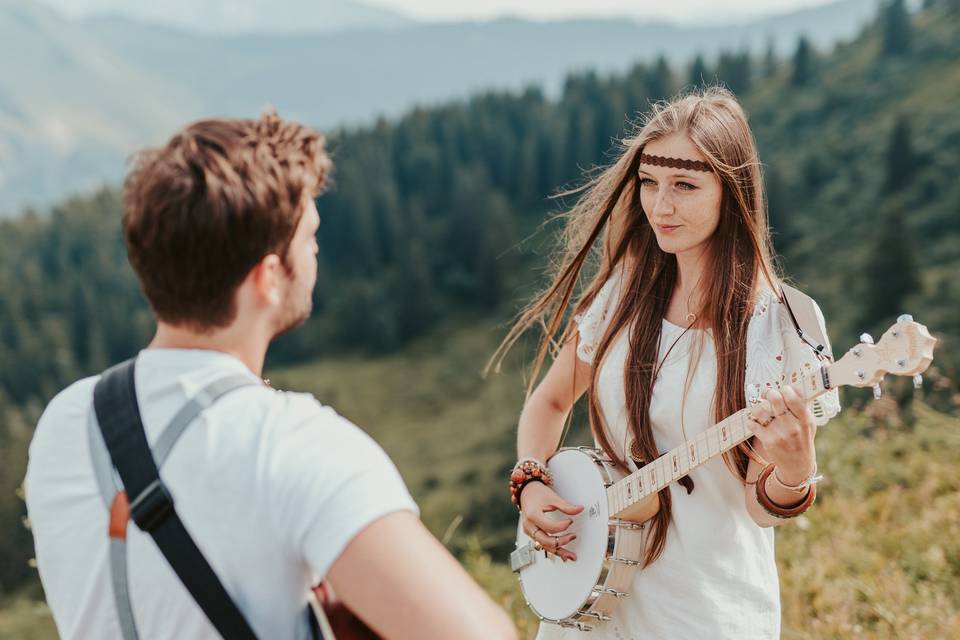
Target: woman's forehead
{"points": [[675, 145]]}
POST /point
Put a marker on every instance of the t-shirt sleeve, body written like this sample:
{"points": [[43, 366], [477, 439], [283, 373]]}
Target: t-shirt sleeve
{"points": [[330, 481], [593, 322]]}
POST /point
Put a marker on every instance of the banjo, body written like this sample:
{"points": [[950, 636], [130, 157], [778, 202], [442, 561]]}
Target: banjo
{"points": [[609, 543]]}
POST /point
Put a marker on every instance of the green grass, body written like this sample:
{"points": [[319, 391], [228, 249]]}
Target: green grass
{"points": [[878, 556], [26, 617]]}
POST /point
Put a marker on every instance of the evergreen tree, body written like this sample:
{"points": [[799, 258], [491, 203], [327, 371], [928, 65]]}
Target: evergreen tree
{"points": [[803, 63], [896, 28], [892, 271], [413, 291], [635, 89], [699, 75], [900, 156], [777, 216], [660, 80], [17, 543], [770, 60], [733, 69]]}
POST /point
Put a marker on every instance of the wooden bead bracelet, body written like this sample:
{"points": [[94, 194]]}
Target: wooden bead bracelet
{"points": [[524, 472]]}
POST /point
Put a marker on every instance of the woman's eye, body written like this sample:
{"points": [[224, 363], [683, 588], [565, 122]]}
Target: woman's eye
{"points": [[647, 182], [686, 186]]}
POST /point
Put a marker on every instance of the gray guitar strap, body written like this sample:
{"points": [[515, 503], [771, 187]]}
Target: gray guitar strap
{"points": [[109, 485], [803, 313]]}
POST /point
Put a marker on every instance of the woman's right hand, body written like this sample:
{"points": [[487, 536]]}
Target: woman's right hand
{"points": [[537, 500]]}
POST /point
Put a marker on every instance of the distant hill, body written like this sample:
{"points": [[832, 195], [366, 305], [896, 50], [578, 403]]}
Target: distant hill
{"points": [[77, 97], [222, 17]]}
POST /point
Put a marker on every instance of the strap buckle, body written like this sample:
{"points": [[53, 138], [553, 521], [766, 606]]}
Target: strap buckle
{"points": [[152, 507]]}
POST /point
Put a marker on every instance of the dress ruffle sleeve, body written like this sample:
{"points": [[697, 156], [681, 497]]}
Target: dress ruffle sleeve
{"points": [[593, 322], [776, 356]]}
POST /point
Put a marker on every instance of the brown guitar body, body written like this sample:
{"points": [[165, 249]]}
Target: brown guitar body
{"points": [[335, 620]]}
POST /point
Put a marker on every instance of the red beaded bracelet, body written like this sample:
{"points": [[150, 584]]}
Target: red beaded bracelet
{"points": [[524, 472]]}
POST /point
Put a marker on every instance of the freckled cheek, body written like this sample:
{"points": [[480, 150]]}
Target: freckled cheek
{"points": [[703, 214], [647, 202]]}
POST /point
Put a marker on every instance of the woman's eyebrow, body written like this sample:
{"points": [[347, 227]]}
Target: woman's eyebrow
{"points": [[672, 175]]}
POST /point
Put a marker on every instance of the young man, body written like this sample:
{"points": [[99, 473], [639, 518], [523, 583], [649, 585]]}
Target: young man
{"points": [[276, 490]]}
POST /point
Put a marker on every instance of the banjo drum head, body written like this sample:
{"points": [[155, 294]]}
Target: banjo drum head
{"points": [[556, 589]]}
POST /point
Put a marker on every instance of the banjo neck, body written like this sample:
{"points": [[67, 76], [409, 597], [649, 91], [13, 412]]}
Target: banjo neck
{"points": [[711, 443], [905, 349]]}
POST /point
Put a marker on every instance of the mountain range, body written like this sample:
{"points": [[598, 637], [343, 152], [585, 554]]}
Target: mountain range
{"points": [[242, 16], [77, 96]]}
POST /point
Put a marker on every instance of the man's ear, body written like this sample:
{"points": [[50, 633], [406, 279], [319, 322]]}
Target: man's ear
{"points": [[266, 279]]}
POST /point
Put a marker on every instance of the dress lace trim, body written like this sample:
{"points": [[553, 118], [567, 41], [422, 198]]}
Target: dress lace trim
{"points": [[772, 363], [775, 354]]}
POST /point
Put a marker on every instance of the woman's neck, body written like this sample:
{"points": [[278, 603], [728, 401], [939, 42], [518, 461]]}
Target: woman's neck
{"points": [[690, 270]]}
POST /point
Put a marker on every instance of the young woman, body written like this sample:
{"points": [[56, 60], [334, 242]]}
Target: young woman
{"points": [[682, 324]]}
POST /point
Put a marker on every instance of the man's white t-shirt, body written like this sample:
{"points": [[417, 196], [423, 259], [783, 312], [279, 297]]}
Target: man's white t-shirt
{"points": [[271, 485]]}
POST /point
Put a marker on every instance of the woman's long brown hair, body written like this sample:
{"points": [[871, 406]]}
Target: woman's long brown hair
{"points": [[607, 230]]}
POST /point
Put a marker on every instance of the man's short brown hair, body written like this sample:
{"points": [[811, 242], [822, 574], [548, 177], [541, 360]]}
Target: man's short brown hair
{"points": [[200, 212]]}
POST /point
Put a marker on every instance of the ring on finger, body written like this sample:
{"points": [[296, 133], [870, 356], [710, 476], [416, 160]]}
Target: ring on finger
{"points": [[762, 423], [533, 536]]}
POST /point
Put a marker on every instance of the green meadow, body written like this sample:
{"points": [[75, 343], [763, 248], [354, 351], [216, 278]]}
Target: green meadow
{"points": [[878, 556]]}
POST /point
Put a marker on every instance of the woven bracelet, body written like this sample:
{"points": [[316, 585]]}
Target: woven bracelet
{"points": [[776, 510]]}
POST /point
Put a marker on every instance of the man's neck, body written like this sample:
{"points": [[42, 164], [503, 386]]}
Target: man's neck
{"points": [[243, 344]]}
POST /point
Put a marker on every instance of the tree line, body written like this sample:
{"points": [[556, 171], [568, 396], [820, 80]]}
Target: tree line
{"points": [[430, 216]]}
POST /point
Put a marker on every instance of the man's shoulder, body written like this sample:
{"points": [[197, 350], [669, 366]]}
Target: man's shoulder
{"points": [[73, 401], [76, 393], [60, 436], [301, 415]]}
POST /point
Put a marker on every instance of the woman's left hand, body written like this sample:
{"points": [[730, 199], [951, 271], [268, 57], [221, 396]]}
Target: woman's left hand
{"points": [[787, 436]]}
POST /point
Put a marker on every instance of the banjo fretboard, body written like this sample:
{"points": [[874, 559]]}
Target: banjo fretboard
{"points": [[678, 462]]}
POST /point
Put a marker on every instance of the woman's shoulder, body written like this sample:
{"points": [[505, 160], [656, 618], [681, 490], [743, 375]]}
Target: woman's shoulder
{"points": [[768, 308], [771, 310], [593, 318]]}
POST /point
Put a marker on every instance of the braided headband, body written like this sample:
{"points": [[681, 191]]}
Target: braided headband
{"points": [[675, 163]]}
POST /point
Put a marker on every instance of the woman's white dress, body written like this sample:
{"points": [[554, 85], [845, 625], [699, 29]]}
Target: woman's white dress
{"points": [[717, 576]]}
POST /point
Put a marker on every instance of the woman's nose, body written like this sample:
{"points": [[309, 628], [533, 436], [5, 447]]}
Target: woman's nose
{"points": [[663, 206]]}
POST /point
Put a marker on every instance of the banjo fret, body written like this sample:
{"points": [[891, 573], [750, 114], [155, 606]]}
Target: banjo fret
{"points": [[678, 462]]}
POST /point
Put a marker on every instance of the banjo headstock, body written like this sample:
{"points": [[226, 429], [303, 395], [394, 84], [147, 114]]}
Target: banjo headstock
{"points": [[905, 349]]}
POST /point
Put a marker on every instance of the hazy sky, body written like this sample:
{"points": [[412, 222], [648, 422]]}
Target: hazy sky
{"points": [[673, 10]]}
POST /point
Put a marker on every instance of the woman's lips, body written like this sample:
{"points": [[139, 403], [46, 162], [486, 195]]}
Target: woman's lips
{"points": [[667, 228]]}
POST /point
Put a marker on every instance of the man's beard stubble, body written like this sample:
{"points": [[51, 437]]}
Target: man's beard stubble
{"points": [[297, 309]]}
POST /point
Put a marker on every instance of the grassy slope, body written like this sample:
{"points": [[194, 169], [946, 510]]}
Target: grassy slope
{"points": [[880, 553], [877, 557]]}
